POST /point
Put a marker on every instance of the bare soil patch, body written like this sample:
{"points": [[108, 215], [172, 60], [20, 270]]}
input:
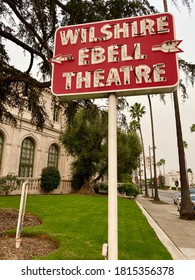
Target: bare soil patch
{"points": [[30, 246]]}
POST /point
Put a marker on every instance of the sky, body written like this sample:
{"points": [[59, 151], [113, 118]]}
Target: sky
{"points": [[163, 114]]}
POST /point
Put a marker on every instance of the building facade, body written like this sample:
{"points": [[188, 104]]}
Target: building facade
{"points": [[24, 151], [172, 179]]}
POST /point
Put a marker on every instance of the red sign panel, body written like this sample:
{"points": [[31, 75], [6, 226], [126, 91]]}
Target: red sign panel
{"points": [[129, 56]]}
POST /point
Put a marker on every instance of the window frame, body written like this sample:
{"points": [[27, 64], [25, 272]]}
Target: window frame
{"points": [[54, 155], [27, 154]]}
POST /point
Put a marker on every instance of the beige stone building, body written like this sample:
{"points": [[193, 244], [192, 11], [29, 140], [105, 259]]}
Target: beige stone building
{"points": [[24, 151], [174, 176]]}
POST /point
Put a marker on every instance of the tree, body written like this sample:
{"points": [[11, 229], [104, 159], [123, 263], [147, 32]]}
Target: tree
{"points": [[156, 196], [163, 164], [186, 209], [30, 25], [185, 144], [136, 112], [160, 163], [129, 150], [192, 128], [133, 126], [86, 140]]}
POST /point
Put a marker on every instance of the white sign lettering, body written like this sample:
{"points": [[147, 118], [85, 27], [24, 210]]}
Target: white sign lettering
{"points": [[116, 31], [140, 74]]}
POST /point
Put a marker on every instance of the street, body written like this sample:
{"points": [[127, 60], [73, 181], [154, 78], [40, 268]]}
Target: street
{"points": [[165, 196]]}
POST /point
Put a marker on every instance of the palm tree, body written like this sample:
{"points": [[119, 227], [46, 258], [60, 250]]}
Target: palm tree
{"points": [[156, 196], [192, 128], [159, 165], [134, 125], [185, 144], [163, 164], [136, 112], [186, 209]]}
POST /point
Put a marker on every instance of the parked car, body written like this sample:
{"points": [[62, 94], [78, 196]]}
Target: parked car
{"points": [[192, 190], [192, 196], [176, 197]]}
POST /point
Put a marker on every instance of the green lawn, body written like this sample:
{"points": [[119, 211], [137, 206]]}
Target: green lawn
{"points": [[79, 224]]}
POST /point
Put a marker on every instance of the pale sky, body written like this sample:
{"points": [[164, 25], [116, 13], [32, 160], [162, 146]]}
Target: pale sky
{"points": [[164, 118]]}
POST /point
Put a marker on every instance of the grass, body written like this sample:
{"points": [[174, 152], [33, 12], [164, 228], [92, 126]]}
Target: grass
{"points": [[79, 224]]}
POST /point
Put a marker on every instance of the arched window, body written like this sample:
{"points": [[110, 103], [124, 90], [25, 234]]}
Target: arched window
{"points": [[26, 158], [53, 156], [1, 148]]}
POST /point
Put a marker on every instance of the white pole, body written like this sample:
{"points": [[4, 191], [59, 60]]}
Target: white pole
{"points": [[112, 179], [21, 213]]}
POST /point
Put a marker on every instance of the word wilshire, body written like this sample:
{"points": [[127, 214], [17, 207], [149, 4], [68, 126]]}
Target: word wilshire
{"points": [[107, 31]]}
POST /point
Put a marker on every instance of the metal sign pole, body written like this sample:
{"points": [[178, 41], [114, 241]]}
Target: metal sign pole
{"points": [[112, 180]]}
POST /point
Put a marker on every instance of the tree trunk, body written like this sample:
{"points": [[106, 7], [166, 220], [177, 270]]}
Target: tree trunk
{"points": [[156, 196], [165, 5], [186, 209], [140, 176], [87, 187], [144, 163]]}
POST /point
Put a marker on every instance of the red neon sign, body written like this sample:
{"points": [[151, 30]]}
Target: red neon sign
{"points": [[129, 56]]}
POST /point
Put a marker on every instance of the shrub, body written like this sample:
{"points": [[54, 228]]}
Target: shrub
{"points": [[101, 188], [8, 183], [163, 187], [128, 189], [50, 178]]}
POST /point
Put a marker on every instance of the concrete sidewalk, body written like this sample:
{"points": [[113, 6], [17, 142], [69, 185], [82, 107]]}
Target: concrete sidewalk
{"points": [[177, 235]]}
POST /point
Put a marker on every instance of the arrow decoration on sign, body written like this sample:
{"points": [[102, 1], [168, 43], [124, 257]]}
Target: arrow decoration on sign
{"points": [[61, 58], [168, 47]]}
